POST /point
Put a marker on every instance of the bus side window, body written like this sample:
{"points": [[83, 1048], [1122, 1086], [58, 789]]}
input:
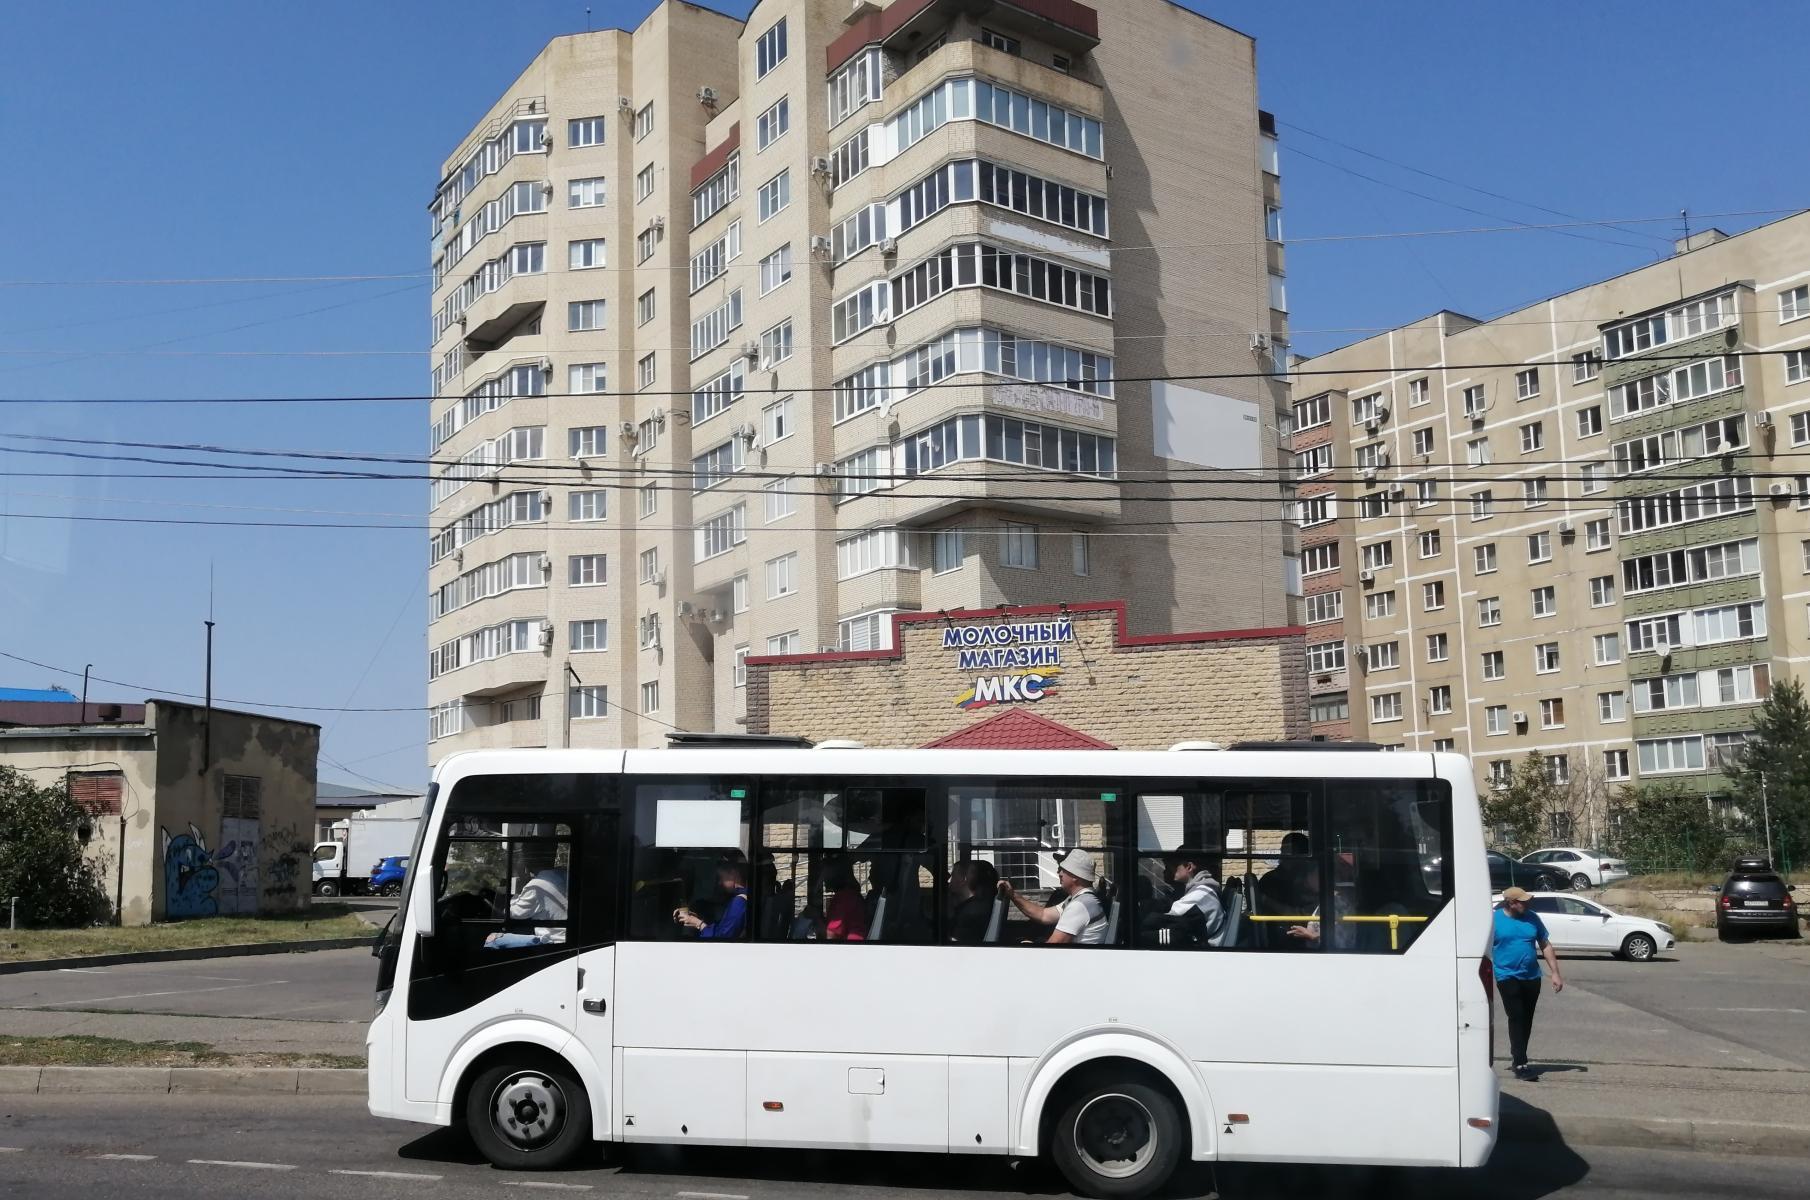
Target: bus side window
{"points": [[1183, 900], [690, 858], [1271, 863], [1020, 832], [506, 884], [1386, 839], [845, 861]]}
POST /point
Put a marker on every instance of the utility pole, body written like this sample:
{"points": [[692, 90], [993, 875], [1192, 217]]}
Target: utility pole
{"points": [[85, 671], [207, 728], [1766, 816]]}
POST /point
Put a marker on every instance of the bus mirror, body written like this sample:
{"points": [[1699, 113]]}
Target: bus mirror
{"points": [[422, 897]]}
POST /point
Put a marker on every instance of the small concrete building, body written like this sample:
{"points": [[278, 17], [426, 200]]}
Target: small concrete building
{"points": [[1058, 676], [196, 812]]}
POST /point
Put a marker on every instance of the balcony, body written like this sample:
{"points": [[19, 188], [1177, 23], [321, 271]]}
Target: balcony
{"points": [[904, 25]]}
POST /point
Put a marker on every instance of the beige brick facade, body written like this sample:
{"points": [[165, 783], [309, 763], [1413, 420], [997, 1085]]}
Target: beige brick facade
{"points": [[1131, 692]]}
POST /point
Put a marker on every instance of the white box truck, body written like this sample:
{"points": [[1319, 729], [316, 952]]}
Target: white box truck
{"points": [[343, 865]]}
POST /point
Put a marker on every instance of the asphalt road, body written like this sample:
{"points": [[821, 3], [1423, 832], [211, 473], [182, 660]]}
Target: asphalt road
{"points": [[190, 1148]]}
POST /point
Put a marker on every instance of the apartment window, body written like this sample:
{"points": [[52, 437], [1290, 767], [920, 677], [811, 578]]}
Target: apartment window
{"points": [[776, 418], [585, 636], [1594, 478], [785, 643], [1611, 706], [1475, 402], [1800, 428], [587, 193], [1729, 623], [716, 465], [650, 565], [1533, 492], [587, 570], [1539, 547], [589, 442], [1417, 392], [776, 268], [587, 506], [1596, 534], [946, 551], [644, 182], [1365, 409], [782, 576], [781, 502], [650, 631], [1585, 366], [650, 697], [1662, 755], [1533, 437], [1495, 721], [1379, 556], [1552, 714], [645, 243], [1432, 595], [1018, 546], [1489, 611], [771, 125], [1527, 383], [584, 315], [1423, 442], [644, 372], [1321, 709], [1546, 658], [1590, 421], [776, 345], [1426, 492], [1439, 700], [1607, 647], [650, 499], [1558, 769], [1325, 658], [1312, 413], [1797, 366], [585, 131], [1602, 591], [1429, 544], [854, 85], [1495, 665], [773, 196], [999, 41], [1483, 558], [589, 379], [644, 307], [720, 534], [1384, 656], [770, 50], [587, 703], [741, 666], [1082, 551], [1444, 745], [1379, 606], [1476, 451], [644, 120], [1386, 707], [1272, 222], [1316, 461], [1615, 764], [739, 597], [1794, 303], [1438, 647], [1325, 606], [1545, 601]]}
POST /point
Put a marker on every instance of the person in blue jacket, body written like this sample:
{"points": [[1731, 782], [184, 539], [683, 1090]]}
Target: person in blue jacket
{"points": [[1520, 942], [732, 878]]}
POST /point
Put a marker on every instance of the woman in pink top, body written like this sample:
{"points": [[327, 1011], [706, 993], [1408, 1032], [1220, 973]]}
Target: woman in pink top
{"points": [[846, 912]]}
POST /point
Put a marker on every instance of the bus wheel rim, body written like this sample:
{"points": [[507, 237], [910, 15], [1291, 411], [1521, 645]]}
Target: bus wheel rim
{"points": [[1115, 1135], [528, 1109]]}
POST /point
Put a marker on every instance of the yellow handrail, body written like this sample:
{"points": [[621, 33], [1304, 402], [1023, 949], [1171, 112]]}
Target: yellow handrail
{"points": [[1395, 921]]}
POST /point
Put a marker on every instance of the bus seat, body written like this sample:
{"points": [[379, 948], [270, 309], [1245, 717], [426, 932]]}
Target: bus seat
{"points": [[876, 925], [995, 920], [1112, 919], [1233, 925]]}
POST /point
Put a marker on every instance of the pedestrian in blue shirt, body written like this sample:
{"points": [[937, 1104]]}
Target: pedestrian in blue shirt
{"points": [[1520, 942]]}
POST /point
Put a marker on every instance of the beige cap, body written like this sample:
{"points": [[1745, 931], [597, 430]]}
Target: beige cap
{"points": [[1515, 893], [1080, 864]]}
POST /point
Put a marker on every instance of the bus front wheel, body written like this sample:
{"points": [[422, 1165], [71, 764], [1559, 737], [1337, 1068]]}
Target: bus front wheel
{"points": [[528, 1114], [1118, 1140]]}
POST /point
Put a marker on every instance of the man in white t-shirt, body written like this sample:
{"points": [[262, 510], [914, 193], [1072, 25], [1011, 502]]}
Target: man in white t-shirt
{"points": [[1081, 918]]}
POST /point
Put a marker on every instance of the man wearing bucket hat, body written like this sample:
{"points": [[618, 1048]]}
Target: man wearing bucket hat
{"points": [[1520, 942], [1081, 917]]}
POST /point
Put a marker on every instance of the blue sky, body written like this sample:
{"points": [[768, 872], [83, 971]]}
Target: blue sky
{"points": [[201, 140]]}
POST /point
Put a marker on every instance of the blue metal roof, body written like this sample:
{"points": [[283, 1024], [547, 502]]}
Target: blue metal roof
{"points": [[34, 695]]}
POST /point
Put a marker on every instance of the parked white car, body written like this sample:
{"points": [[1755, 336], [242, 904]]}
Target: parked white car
{"points": [[1576, 924], [1587, 868]]}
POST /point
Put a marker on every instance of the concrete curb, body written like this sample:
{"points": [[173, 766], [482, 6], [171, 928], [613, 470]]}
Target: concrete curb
{"points": [[197, 952], [1709, 1137], [284, 1081]]}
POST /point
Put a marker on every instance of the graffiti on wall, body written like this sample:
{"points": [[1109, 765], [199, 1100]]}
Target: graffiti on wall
{"points": [[190, 877], [285, 855]]}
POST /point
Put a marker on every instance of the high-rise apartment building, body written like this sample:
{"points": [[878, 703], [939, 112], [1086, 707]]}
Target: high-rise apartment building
{"points": [[1581, 529], [749, 336]]}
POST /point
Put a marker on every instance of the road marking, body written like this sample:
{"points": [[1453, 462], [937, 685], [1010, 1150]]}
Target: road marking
{"points": [[12, 1149], [122, 1157], [530, 1183], [147, 995], [387, 1175], [714, 1195], [1797, 1011], [250, 1166]]}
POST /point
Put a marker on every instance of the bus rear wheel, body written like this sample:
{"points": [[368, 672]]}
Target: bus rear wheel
{"points": [[1118, 1140], [528, 1114]]}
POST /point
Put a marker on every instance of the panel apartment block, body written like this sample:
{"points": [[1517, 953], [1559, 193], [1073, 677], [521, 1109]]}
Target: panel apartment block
{"points": [[846, 311]]}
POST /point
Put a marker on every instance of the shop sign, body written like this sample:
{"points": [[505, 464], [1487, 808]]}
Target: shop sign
{"points": [[1024, 656]]}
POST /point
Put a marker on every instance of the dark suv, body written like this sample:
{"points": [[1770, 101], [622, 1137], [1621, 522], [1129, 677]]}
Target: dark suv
{"points": [[1754, 899], [1505, 872]]}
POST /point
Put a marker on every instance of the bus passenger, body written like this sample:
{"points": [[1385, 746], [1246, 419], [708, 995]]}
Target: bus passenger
{"points": [[846, 912], [1081, 918], [973, 885], [1197, 917], [731, 879]]}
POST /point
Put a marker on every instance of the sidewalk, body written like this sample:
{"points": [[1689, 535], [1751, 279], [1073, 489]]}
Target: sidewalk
{"points": [[1696, 1108]]}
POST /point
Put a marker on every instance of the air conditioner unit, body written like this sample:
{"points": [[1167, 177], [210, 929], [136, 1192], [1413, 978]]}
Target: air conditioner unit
{"points": [[1366, 577], [546, 499], [889, 246], [658, 579], [751, 351], [546, 189], [821, 165], [625, 104], [821, 245], [659, 415], [1260, 343], [1519, 717], [458, 558], [546, 366], [1361, 656], [1382, 412], [1779, 490], [1372, 425], [745, 432], [707, 97], [546, 140], [658, 224], [1382, 458], [546, 633], [1397, 491], [685, 610], [1731, 338], [1567, 529], [713, 615], [629, 432], [826, 468], [1763, 420], [1369, 474], [546, 562]]}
